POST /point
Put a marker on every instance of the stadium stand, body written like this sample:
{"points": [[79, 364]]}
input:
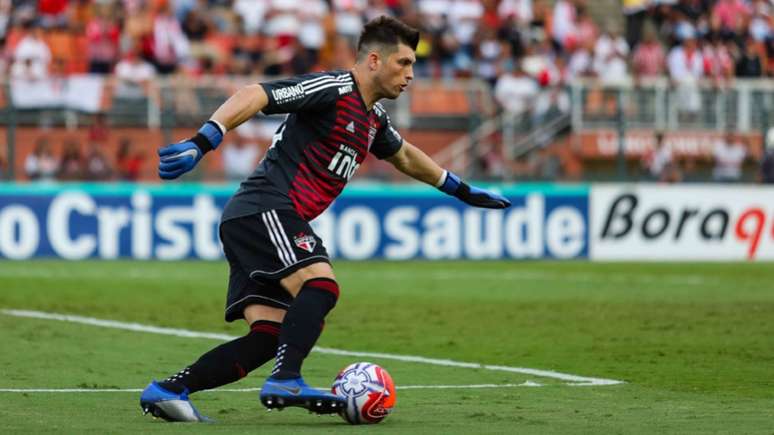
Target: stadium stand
{"points": [[588, 74]]}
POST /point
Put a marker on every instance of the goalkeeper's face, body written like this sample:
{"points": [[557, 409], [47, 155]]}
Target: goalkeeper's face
{"points": [[395, 71]]}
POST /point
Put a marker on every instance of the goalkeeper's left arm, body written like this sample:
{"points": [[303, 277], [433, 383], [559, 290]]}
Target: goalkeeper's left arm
{"points": [[416, 164]]}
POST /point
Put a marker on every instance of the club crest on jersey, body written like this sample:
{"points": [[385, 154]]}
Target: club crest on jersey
{"points": [[305, 242]]}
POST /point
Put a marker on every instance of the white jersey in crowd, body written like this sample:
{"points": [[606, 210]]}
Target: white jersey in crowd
{"points": [[728, 160]]}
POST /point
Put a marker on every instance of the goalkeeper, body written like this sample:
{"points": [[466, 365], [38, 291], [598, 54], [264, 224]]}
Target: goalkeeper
{"points": [[281, 281]]}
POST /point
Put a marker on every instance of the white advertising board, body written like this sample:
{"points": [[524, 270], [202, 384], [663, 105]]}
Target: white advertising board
{"points": [[681, 222]]}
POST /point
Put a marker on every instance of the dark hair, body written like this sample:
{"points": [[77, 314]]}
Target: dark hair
{"points": [[385, 31]]}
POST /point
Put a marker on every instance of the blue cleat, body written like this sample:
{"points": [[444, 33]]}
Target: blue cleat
{"points": [[168, 405], [281, 393]]}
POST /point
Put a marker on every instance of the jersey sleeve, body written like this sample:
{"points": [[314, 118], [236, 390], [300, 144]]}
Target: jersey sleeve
{"points": [[308, 92], [387, 141]]}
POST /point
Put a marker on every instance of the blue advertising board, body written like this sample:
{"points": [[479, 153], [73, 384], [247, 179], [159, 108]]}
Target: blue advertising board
{"points": [[387, 221]]}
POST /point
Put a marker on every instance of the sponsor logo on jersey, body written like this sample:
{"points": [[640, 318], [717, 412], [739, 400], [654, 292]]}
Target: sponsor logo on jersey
{"points": [[305, 242], [351, 127], [344, 162], [345, 89], [289, 93]]}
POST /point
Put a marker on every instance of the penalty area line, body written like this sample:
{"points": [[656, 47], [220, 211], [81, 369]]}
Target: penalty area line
{"points": [[255, 390], [573, 380]]}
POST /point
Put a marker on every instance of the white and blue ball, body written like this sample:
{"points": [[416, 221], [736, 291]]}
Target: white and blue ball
{"points": [[369, 391]]}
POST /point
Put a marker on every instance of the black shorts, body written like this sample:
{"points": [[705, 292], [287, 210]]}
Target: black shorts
{"points": [[261, 249]]}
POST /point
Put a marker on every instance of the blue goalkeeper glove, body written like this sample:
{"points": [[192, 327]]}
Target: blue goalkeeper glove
{"points": [[474, 196], [179, 158]]}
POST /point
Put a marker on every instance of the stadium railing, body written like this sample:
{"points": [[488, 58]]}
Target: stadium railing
{"points": [[183, 102], [740, 105], [162, 109]]}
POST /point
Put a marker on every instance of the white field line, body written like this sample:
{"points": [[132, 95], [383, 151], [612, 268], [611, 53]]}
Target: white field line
{"points": [[574, 380], [255, 390], [142, 274], [70, 390]]}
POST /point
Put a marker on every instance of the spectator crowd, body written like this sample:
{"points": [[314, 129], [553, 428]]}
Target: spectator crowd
{"points": [[74, 165], [520, 47], [729, 155], [69, 159], [553, 41]]}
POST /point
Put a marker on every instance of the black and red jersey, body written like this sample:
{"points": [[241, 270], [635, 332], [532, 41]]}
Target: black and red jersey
{"points": [[314, 153]]}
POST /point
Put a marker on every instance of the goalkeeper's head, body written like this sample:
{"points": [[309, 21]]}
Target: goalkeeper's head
{"points": [[386, 51]]}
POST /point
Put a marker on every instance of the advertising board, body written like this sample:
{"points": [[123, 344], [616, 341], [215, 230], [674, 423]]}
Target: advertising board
{"points": [[682, 222], [375, 221]]}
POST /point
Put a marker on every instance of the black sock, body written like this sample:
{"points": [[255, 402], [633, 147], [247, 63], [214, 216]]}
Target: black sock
{"points": [[303, 324], [228, 362]]}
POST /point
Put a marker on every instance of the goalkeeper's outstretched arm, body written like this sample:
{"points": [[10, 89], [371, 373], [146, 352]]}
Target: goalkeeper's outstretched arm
{"points": [[416, 164], [179, 158], [241, 106]]}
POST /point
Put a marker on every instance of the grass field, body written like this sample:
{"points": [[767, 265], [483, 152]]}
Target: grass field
{"points": [[693, 343]]}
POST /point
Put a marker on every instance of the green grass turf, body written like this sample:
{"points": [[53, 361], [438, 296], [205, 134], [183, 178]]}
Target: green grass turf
{"points": [[694, 343]]}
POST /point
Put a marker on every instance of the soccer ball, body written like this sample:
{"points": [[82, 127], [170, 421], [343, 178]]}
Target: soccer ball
{"points": [[369, 391]]}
